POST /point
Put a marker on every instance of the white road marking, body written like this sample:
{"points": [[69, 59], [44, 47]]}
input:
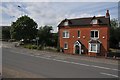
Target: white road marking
{"points": [[100, 67], [80, 64], [109, 74]]}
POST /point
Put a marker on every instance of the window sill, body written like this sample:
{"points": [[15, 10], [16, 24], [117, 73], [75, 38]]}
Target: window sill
{"points": [[65, 48], [65, 37], [94, 38], [93, 51]]}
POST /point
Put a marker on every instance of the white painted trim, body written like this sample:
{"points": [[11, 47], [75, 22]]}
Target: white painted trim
{"points": [[79, 47], [97, 45], [65, 34], [94, 20], [66, 23], [64, 45], [94, 37]]}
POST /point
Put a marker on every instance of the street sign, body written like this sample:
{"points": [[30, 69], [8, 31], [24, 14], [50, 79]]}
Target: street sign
{"points": [[37, 38]]}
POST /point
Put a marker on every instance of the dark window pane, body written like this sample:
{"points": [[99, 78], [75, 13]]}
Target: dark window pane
{"points": [[78, 33], [63, 34], [92, 33], [93, 47], [96, 33], [65, 45]]}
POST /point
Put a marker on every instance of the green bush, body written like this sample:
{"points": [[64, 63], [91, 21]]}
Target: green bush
{"points": [[34, 47], [58, 49], [112, 54], [30, 46], [50, 49], [27, 46], [39, 47]]}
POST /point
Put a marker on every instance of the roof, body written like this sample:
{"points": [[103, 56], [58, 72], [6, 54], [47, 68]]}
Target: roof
{"points": [[94, 41], [102, 20]]}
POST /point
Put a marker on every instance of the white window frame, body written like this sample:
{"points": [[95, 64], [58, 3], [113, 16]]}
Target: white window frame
{"points": [[66, 36], [66, 23], [66, 45], [94, 21], [94, 34], [97, 48]]}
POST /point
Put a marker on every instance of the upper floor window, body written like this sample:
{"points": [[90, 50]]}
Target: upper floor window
{"points": [[78, 33], [65, 34], [66, 23], [94, 34], [94, 21]]}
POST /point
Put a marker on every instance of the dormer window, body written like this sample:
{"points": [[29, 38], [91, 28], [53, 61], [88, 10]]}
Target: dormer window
{"points": [[94, 21], [66, 23]]}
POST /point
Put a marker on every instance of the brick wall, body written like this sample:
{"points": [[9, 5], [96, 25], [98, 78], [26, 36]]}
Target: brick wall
{"points": [[84, 38]]}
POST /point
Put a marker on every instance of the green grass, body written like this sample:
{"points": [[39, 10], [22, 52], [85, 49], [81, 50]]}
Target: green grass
{"points": [[31, 46]]}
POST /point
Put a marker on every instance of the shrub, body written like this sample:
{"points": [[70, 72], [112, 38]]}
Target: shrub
{"points": [[34, 47], [50, 48], [40, 47], [112, 54], [30, 46], [11, 40], [27, 46]]}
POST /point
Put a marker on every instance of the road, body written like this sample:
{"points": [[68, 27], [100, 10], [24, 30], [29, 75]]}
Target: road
{"points": [[23, 64]]}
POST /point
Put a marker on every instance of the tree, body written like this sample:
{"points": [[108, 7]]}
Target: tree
{"points": [[114, 33], [24, 28], [5, 32], [54, 40], [45, 35]]}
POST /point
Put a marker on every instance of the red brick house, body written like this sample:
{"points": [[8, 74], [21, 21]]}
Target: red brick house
{"points": [[89, 36]]}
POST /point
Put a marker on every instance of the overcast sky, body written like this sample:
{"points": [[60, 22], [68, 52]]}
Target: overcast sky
{"points": [[51, 13]]}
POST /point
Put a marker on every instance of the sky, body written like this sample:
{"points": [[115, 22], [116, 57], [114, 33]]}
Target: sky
{"points": [[53, 12]]}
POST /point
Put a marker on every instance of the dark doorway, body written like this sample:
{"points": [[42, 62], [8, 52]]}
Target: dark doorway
{"points": [[77, 49]]}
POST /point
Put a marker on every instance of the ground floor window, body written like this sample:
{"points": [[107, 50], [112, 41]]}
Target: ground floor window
{"points": [[65, 45], [94, 47]]}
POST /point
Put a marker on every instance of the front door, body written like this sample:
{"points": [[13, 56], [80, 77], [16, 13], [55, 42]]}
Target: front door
{"points": [[77, 49]]}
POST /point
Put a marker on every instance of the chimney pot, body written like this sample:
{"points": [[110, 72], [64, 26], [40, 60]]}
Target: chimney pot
{"points": [[107, 14]]}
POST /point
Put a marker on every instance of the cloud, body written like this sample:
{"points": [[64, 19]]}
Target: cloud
{"points": [[60, 0], [49, 13]]}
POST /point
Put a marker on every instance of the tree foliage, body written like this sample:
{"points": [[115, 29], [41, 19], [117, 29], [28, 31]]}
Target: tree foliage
{"points": [[114, 34], [5, 32], [45, 36], [24, 28]]}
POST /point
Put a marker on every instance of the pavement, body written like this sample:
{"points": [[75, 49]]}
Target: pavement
{"points": [[55, 65]]}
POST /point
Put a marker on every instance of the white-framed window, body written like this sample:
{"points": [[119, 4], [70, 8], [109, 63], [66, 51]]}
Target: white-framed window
{"points": [[78, 34], [94, 21], [65, 34], [94, 34], [66, 23], [65, 45], [94, 47]]}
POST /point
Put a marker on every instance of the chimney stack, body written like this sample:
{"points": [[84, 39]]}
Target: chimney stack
{"points": [[107, 14]]}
